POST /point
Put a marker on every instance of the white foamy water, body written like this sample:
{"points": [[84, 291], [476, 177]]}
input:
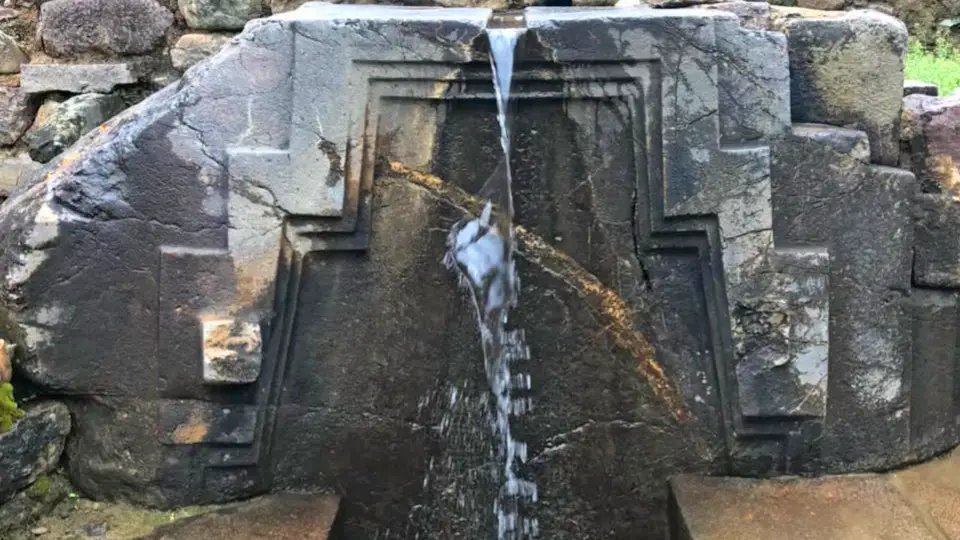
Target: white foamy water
{"points": [[481, 252]]}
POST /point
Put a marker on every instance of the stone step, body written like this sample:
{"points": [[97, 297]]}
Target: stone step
{"points": [[275, 517], [918, 503]]}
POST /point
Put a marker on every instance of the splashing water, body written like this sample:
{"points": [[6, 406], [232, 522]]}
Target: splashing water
{"points": [[481, 252]]}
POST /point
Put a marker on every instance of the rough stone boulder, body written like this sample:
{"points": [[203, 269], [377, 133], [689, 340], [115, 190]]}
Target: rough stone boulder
{"points": [[16, 113], [33, 447], [31, 504], [847, 70], [69, 121], [239, 281], [124, 27]]}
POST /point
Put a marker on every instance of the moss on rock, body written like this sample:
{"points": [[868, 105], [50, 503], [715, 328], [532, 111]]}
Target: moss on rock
{"points": [[9, 411]]}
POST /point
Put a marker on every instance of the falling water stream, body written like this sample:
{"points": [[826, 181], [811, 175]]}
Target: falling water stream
{"points": [[481, 251]]}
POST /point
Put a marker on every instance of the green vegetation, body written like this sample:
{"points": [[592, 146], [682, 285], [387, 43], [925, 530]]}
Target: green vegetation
{"points": [[937, 63], [9, 411], [40, 487]]}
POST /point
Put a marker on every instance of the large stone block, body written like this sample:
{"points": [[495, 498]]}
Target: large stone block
{"points": [[825, 195], [74, 27], [75, 78], [706, 288], [846, 70]]}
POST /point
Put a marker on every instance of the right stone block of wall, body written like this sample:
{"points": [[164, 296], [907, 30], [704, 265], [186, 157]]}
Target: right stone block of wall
{"points": [[846, 69]]}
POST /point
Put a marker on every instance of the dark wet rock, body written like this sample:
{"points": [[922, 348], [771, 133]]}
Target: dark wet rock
{"points": [[73, 27], [69, 121], [33, 447], [16, 113], [220, 14]]}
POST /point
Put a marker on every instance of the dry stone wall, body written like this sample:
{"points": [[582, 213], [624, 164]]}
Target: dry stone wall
{"points": [[67, 66]]}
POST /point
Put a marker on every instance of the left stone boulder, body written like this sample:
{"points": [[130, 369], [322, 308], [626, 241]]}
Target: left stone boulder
{"points": [[69, 121], [73, 27], [16, 113], [33, 447]]}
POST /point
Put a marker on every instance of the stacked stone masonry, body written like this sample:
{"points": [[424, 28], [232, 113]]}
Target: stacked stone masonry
{"points": [[725, 271]]}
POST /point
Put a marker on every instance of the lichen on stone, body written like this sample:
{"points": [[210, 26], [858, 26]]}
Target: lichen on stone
{"points": [[9, 411], [40, 487]]}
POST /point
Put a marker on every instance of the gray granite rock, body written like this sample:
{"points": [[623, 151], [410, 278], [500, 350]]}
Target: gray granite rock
{"points": [[220, 14], [11, 55], [75, 78], [73, 27], [33, 447], [69, 121], [16, 113], [192, 48], [847, 70]]}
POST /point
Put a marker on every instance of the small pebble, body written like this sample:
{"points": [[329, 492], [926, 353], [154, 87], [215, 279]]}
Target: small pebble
{"points": [[39, 531]]}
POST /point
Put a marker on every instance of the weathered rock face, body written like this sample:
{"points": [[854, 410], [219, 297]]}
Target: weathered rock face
{"points": [[191, 48], [220, 14], [707, 287], [33, 447], [72, 27], [830, 57], [16, 113], [69, 121], [32, 503], [76, 79], [11, 56]]}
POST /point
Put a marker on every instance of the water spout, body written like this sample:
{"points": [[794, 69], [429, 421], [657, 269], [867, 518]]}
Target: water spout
{"points": [[481, 251]]}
